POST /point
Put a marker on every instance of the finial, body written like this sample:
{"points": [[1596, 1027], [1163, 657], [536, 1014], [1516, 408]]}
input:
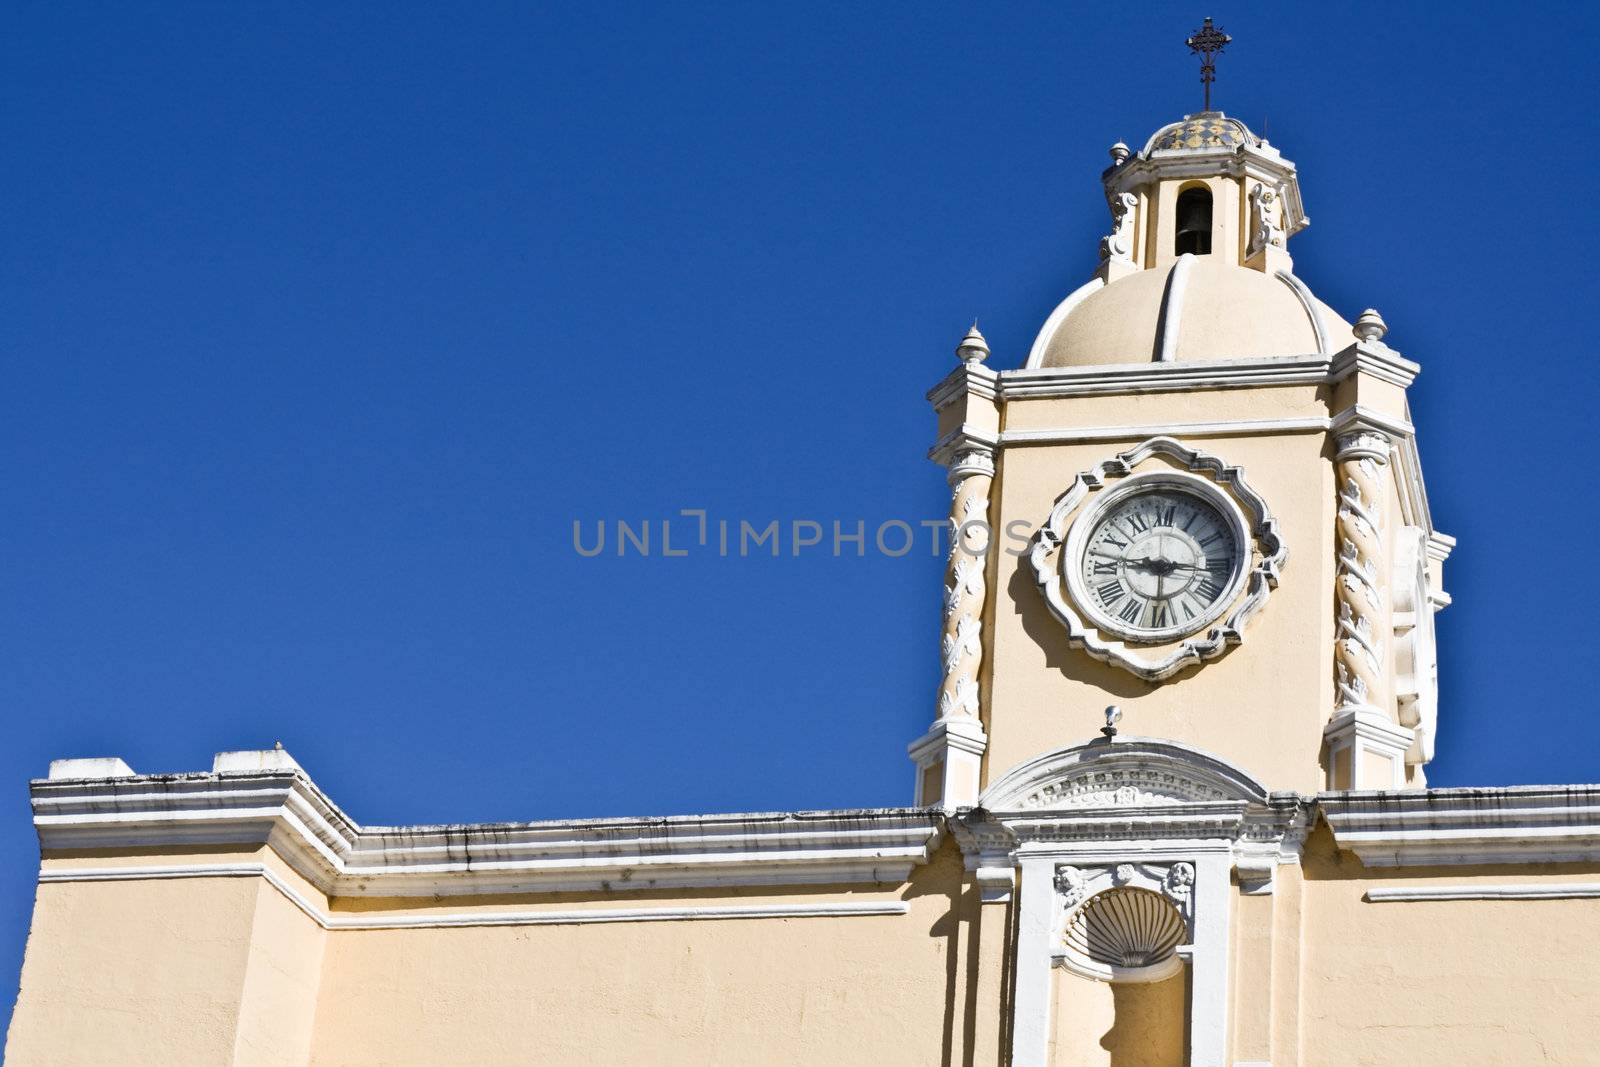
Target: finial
{"points": [[277, 746], [1119, 154], [1370, 327], [973, 349], [1206, 42], [1113, 716]]}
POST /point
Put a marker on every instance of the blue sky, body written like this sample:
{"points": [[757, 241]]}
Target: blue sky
{"points": [[320, 326]]}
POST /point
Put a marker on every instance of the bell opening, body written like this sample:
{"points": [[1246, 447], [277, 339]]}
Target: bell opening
{"points": [[1194, 223]]}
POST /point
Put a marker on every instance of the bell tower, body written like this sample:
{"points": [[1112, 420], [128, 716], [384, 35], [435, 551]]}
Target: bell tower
{"points": [[1197, 498]]}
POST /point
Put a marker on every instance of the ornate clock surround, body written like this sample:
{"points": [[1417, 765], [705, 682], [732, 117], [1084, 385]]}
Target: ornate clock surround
{"points": [[1053, 564]]}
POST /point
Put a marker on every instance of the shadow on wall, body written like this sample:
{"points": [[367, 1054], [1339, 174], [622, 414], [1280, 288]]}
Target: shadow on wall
{"points": [[1121, 1024]]}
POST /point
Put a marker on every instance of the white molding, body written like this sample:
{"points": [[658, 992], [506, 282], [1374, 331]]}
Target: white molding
{"points": [[1095, 774], [1169, 321], [1150, 377], [1207, 954], [1308, 303], [1345, 421], [571, 917], [1104, 501], [1047, 332], [1098, 379], [285, 810], [1451, 827], [1376, 359], [962, 439], [1507, 891], [966, 379], [1238, 427]]}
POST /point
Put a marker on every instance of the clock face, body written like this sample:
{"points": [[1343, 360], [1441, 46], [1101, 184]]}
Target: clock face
{"points": [[1159, 561]]}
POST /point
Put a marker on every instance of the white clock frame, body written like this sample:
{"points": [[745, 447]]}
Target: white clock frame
{"points": [[1054, 563], [1180, 482]]}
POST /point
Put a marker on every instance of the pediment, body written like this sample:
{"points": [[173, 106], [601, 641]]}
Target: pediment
{"points": [[1132, 772]]}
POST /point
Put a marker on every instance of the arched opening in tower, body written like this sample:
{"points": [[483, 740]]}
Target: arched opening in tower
{"points": [[1194, 222]]}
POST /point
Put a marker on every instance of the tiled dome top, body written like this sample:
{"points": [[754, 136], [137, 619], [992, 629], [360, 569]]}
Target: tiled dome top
{"points": [[1208, 129]]}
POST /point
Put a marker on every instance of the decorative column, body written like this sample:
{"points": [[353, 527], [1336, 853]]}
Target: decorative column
{"points": [[1365, 746], [949, 755]]}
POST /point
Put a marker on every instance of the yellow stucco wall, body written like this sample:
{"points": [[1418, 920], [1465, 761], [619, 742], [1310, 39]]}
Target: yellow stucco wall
{"points": [[858, 989], [1262, 706], [1097, 1024], [134, 973], [1469, 982]]}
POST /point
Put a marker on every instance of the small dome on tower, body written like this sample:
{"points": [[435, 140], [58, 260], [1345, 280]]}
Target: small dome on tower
{"points": [[1208, 129]]}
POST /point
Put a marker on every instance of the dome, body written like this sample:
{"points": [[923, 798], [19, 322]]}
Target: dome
{"points": [[1199, 308], [1208, 129]]}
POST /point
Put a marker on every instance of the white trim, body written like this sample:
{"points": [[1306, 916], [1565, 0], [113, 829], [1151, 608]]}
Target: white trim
{"points": [[1308, 302], [1047, 332], [1106, 378], [328, 921], [1035, 956], [1317, 368], [1177, 482], [1378, 360], [285, 810], [1450, 827], [1170, 320], [1240, 427], [964, 380], [1513, 891]]}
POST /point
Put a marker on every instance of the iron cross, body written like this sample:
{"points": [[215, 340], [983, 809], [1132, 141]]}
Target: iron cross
{"points": [[1207, 42]]}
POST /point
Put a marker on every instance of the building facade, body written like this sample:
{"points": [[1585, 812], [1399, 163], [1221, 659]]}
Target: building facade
{"points": [[1171, 809]]}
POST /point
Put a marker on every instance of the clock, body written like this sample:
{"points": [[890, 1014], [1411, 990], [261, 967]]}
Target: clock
{"points": [[1159, 556], [1155, 559]]}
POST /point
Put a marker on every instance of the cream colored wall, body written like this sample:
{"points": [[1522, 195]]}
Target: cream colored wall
{"points": [[133, 973], [856, 989], [1261, 706], [1101, 1024], [278, 1005], [1457, 982]]}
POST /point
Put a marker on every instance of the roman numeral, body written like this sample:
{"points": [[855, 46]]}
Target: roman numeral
{"points": [[1158, 613], [1193, 515], [1111, 592], [1167, 515], [1140, 523], [1219, 568], [1132, 610], [1182, 604], [1209, 588], [1113, 541], [1105, 568], [1205, 541]]}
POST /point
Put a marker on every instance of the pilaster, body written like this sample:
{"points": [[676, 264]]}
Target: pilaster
{"points": [[949, 756]]}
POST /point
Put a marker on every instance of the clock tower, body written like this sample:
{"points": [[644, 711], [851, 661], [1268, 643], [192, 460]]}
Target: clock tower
{"points": [[1197, 499]]}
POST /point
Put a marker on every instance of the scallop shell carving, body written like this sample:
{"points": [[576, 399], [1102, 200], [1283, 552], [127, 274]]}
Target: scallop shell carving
{"points": [[1125, 928]]}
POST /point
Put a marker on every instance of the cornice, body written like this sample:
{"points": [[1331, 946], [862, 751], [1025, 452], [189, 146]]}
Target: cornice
{"points": [[1135, 796], [432, 918], [1376, 359], [1155, 377], [1448, 827], [287, 812], [964, 438], [973, 379]]}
